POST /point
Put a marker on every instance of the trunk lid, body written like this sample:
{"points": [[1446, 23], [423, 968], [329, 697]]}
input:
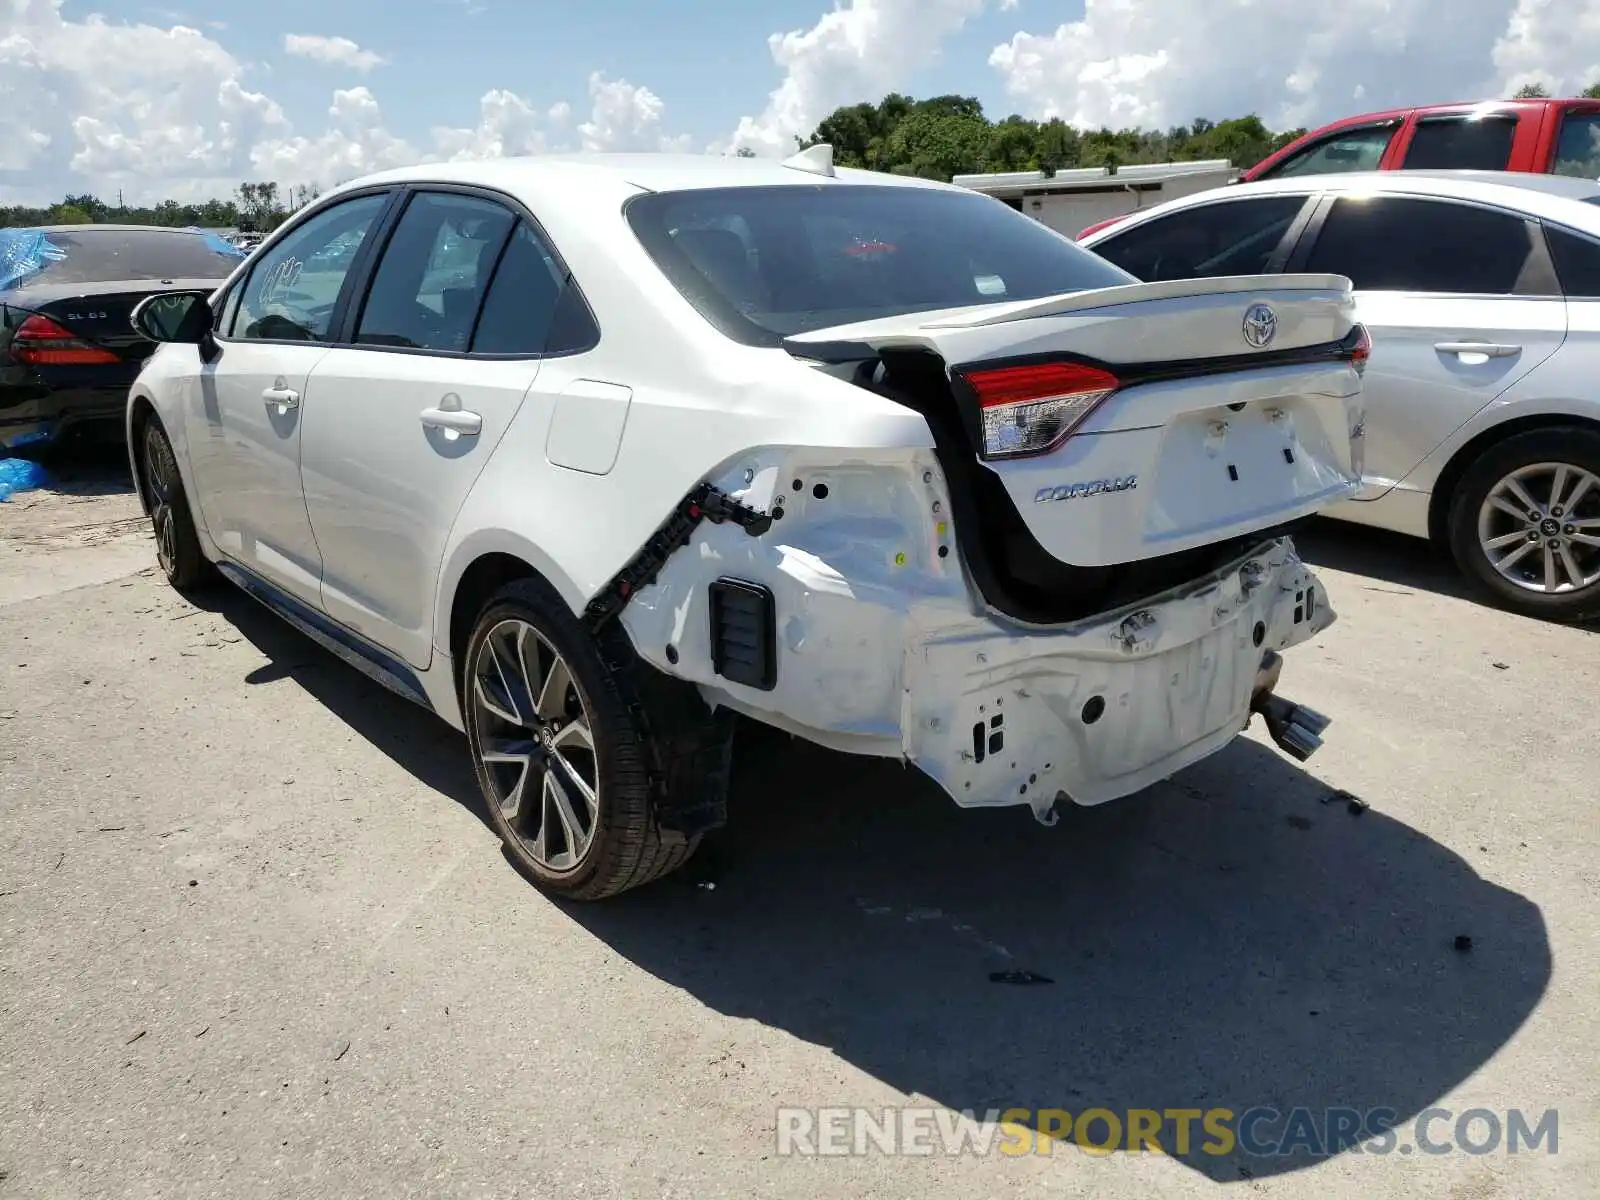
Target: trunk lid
{"points": [[97, 313], [1145, 420]]}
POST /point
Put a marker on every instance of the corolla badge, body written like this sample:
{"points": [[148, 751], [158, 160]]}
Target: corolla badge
{"points": [[1089, 487], [1260, 325]]}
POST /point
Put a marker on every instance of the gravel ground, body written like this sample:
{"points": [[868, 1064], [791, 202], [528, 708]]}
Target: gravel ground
{"points": [[257, 940]]}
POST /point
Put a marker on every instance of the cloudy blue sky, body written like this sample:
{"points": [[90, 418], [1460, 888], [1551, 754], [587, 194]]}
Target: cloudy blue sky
{"points": [[186, 100]]}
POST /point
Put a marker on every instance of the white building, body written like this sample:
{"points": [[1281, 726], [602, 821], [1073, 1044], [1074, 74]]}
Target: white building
{"points": [[1070, 201]]}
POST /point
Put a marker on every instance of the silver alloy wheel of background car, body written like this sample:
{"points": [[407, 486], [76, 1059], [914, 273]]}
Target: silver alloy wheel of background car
{"points": [[536, 744], [161, 514], [1539, 528]]}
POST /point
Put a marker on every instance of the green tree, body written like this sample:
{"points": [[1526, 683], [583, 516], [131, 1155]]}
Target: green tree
{"points": [[91, 206], [70, 214], [1532, 91], [259, 207], [937, 144], [1013, 145], [1592, 92]]}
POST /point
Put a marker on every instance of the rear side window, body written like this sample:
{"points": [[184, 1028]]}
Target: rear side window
{"points": [[1578, 146], [1350, 150], [762, 263], [532, 308], [1577, 262], [1233, 237], [89, 254], [1461, 144], [435, 272], [1406, 244]]}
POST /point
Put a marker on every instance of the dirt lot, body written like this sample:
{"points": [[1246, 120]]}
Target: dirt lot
{"points": [[257, 940]]}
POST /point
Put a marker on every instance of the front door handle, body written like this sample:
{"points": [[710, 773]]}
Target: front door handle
{"points": [[452, 417], [1487, 349], [281, 398]]}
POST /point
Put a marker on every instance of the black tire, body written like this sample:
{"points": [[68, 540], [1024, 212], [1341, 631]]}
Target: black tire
{"points": [[627, 846], [1576, 447], [177, 544]]}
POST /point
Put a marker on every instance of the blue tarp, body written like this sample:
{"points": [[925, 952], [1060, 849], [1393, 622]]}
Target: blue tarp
{"points": [[218, 244], [20, 475], [24, 251]]}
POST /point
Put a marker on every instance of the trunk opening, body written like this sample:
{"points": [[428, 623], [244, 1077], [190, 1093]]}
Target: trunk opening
{"points": [[1016, 574]]}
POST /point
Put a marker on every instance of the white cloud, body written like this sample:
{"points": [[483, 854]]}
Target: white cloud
{"points": [[1556, 44], [104, 103], [355, 143], [334, 51], [1162, 62], [95, 105], [854, 53], [625, 117], [507, 126]]}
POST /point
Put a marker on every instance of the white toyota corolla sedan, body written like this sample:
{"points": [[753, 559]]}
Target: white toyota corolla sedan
{"points": [[1482, 294], [590, 454]]}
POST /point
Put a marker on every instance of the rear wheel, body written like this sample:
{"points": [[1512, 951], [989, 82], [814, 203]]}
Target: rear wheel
{"points": [[177, 544], [1525, 523], [560, 754]]}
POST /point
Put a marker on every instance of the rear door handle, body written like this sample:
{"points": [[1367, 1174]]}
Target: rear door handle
{"points": [[456, 420], [281, 398], [1488, 349]]}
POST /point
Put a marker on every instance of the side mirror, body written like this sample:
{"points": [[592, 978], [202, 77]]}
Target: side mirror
{"points": [[174, 317]]}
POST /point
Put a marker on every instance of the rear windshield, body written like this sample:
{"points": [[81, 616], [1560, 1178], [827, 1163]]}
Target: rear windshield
{"points": [[762, 263], [89, 255]]}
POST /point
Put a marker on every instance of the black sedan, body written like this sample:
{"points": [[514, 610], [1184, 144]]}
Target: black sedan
{"points": [[67, 351]]}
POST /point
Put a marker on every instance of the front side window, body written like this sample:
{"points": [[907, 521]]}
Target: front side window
{"points": [[1231, 237], [1461, 144], [762, 263], [434, 274], [293, 288], [1349, 150], [1578, 146], [1408, 244]]}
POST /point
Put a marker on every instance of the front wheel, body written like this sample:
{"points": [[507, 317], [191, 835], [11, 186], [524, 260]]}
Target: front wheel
{"points": [[171, 521], [1525, 523], [560, 754]]}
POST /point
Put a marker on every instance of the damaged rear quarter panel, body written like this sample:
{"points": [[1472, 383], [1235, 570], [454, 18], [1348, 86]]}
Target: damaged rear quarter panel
{"points": [[856, 549]]}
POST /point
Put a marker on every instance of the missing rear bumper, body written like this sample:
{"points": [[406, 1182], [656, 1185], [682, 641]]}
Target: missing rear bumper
{"points": [[1112, 706]]}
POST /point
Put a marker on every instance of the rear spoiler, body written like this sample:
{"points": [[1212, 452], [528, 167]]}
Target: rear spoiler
{"points": [[909, 326]]}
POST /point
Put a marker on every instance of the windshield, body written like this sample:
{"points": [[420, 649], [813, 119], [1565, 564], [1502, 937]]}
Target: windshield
{"points": [[85, 254], [762, 263]]}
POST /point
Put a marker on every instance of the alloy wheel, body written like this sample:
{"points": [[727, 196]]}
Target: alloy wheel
{"points": [[536, 744], [158, 474], [1539, 528]]}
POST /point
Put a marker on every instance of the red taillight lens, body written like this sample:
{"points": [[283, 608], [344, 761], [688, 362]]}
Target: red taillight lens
{"points": [[1033, 409], [1362, 351], [39, 341]]}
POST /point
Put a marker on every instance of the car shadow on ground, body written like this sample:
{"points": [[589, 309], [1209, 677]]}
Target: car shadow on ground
{"points": [[1238, 937], [86, 468], [1403, 563]]}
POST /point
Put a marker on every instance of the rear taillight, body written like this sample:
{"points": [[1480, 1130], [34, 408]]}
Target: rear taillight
{"points": [[41, 342], [1033, 409], [1362, 351]]}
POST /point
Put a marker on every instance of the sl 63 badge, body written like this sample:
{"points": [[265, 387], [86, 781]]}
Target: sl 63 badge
{"points": [[1089, 487]]}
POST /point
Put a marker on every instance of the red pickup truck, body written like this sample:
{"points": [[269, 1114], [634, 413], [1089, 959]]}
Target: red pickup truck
{"points": [[1548, 136]]}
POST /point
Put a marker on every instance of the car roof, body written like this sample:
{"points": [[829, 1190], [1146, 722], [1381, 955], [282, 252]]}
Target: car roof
{"points": [[105, 227], [609, 172], [1565, 199]]}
